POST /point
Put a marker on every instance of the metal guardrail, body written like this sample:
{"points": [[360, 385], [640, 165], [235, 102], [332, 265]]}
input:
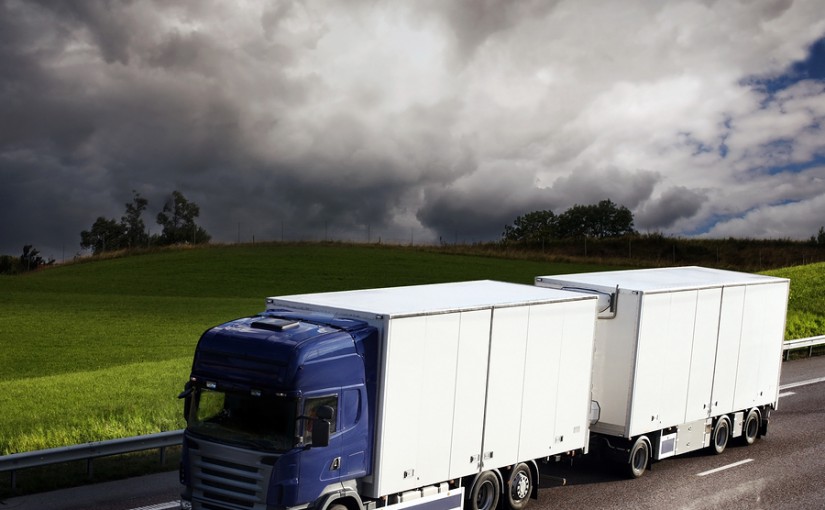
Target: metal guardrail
{"points": [[163, 440], [803, 343], [89, 452]]}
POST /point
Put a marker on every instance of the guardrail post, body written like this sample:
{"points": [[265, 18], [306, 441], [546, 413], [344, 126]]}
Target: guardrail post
{"points": [[13, 479]]}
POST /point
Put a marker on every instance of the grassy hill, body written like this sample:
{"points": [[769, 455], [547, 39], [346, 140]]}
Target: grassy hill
{"points": [[100, 349]]}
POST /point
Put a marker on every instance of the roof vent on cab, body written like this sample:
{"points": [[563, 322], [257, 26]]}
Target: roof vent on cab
{"points": [[274, 324]]}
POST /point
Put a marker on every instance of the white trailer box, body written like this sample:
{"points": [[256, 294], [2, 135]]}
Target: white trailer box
{"points": [[677, 347], [472, 376]]}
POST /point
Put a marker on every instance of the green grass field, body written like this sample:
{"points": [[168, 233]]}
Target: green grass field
{"points": [[99, 350], [806, 304]]}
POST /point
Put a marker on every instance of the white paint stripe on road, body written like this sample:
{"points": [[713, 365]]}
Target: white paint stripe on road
{"points": [[169, 505], [801, 383], [786, 394], [735, 464]]}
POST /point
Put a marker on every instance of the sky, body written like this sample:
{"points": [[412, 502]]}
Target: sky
{"points": [[427, 121]]}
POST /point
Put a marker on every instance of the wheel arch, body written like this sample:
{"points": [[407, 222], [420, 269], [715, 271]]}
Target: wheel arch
{"points": [[347, 497]]}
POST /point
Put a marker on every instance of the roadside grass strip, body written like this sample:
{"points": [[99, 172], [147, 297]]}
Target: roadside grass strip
{"points": [[82, 407]]}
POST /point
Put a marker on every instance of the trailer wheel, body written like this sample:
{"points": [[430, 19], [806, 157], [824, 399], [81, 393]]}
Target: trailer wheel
{"points": [[519, 487], [485, 492], [750, 430], [721, 433], [639, 458]]}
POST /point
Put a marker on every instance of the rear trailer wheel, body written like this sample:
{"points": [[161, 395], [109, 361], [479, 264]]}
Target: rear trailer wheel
{"points": [[639, 458], [750, 431], [721, 434], [485, 492], [519, 487]]}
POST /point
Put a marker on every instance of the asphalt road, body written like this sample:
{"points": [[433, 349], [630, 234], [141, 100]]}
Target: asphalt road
{"points": [[785, 469]]}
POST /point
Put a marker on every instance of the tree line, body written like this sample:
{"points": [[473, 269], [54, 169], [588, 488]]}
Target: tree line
{"points": [[177, 220], [603, 220]]}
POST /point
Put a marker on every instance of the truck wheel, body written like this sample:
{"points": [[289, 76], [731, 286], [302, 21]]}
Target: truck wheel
{"points": [[519, 487], [484, 495], [750, 431], [721, 433], [639, 458]]}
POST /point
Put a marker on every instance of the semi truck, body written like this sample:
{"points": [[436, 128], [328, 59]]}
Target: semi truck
{"points": [[685, 358], [440, 397], [449, 396]]}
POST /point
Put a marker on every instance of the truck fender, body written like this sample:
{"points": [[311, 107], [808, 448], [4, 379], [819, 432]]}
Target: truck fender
{"points": [[346, 496], [534, 469]]}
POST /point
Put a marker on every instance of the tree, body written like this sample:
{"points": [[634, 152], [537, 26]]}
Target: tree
{"points": [[602, 220], [31, 259], [178, 222], [133, 226], [105, 235], [533, 227], [605, 219], [819, 238]]}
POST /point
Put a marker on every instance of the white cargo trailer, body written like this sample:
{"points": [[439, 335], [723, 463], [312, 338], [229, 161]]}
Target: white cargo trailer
{"points": [[685, 357], [474, 380]]}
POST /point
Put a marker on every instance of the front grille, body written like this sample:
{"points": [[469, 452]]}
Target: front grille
{"points": [[228, 478]]}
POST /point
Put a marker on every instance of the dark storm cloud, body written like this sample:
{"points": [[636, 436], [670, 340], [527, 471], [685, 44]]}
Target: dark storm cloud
{"points": [[674, 204], [627, 188]]}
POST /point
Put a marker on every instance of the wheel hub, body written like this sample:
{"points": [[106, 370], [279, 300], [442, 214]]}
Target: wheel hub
{"points": [[521, 487]]}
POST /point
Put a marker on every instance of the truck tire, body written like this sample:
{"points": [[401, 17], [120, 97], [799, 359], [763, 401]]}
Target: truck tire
{"points": [[639, 458], [750, 430], [519, 487], [485, 492], [720, 436]]}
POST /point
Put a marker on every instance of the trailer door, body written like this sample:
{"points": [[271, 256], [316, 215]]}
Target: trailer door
{"points": [[505, 383]]}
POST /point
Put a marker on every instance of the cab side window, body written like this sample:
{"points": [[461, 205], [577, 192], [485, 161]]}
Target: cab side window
{"points": [[311, 406]]}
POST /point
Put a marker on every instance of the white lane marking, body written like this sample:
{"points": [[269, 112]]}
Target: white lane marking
{"points": [[786, 394], [735, 464], [801, 383], [169, 505]]}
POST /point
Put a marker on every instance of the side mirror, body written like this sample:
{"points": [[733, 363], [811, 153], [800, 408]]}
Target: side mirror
{"points": [[187, 403], [321, 426]]}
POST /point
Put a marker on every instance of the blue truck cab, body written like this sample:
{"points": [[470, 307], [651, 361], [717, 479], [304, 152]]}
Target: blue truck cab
{"points": [[278, 412]]}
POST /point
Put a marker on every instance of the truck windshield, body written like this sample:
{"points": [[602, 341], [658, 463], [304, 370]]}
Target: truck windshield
{"points": [[261, 422]]}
